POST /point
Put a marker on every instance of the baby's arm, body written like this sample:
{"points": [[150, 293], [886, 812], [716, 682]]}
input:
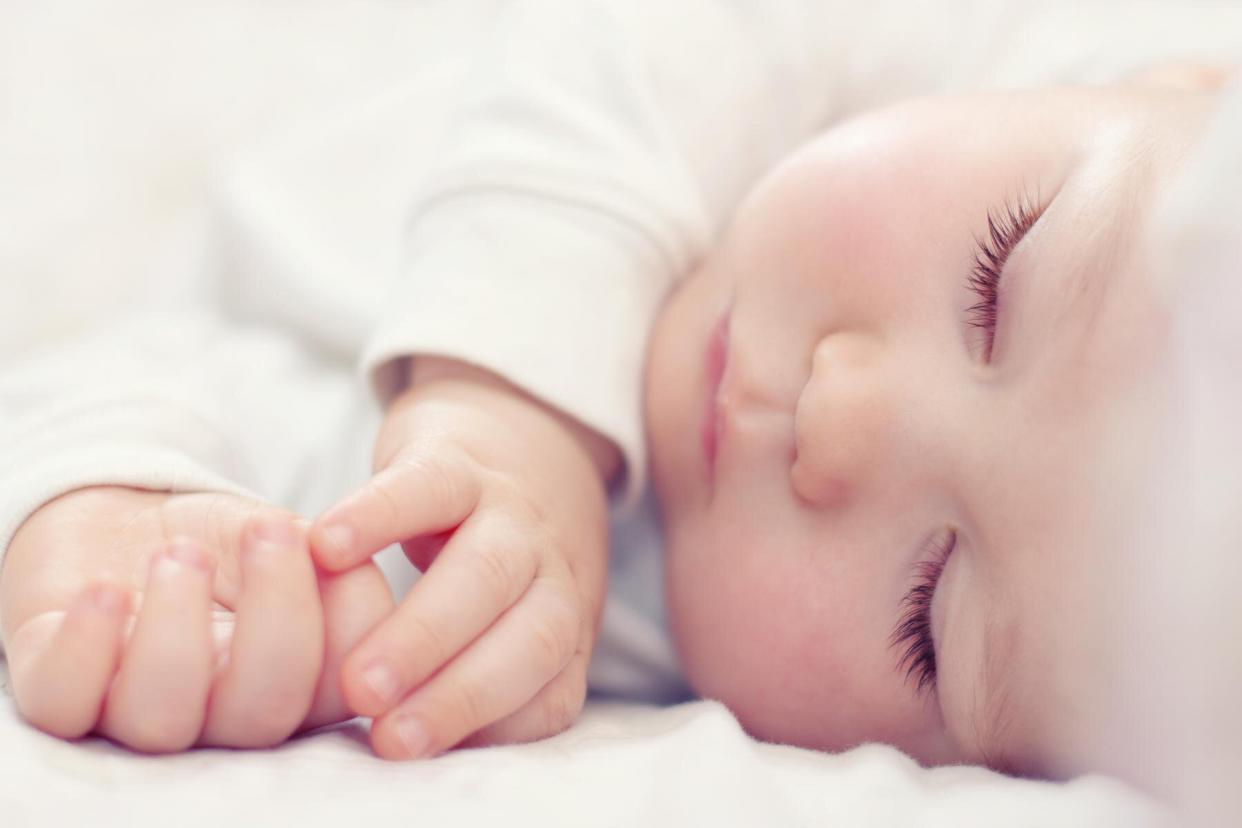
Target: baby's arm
{"points": [[148, 592]]}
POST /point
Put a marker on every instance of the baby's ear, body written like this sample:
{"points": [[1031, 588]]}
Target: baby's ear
{"points": [[1186, 75]]}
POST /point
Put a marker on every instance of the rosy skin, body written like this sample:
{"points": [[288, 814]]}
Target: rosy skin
{"points": [[164, 621], [501, 501], [859, 416]]}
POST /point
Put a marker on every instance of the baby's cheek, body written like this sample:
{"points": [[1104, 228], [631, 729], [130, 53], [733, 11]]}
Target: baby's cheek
{"points": [[743, 632], [717, 610]]}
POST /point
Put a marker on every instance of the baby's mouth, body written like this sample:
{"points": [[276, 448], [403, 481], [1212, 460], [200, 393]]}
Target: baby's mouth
{"points": [[715, 360]]}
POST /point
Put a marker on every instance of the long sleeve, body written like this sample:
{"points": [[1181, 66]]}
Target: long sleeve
{"points": [[595, 150], [171, 402]]}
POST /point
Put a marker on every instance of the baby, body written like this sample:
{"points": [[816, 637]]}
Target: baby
{"points": [[874, 415]]}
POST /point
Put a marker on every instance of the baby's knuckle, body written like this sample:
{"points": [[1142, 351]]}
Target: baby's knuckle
{"points": [[381, 489], [561, 708], [440, 478], [566, 604], [431, 645], [556, 635], [496, 570], [470, 707]]}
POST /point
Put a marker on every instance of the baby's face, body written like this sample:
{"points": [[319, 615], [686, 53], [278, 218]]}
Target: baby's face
{"points": [[839, 412]]}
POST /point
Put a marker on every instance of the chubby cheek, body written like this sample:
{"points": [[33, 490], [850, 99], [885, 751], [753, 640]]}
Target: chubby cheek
{"points": [[752, 635]]}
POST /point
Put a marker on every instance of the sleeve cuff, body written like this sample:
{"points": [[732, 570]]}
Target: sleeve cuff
{"points": [[147, 444], [556, 298]]}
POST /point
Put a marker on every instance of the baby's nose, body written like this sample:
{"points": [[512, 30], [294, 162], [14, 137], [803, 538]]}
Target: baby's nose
{"points": [[844, 422]]}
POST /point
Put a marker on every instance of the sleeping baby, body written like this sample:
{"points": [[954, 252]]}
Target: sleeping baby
{"points": [[920, 335], [878, 408]]}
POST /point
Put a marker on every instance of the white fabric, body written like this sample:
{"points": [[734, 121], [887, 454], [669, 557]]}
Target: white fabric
{"points": [[620, 765], [312, 135]]}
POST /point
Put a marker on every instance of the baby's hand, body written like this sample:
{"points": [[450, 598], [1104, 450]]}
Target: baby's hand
{"points": [[501, 502], [165, 621]]}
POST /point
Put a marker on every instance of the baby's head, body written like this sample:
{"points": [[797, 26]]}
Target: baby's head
{"points": [[924, 327]]}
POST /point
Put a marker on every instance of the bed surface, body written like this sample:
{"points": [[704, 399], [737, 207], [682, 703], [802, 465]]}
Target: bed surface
{"points": [[619, 765]]}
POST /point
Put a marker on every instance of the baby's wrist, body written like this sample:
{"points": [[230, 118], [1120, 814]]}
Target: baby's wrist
{"points": [[424, 371]]}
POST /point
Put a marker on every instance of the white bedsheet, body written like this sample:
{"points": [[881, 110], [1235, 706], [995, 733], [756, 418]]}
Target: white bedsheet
{"points": [[619, 765]]}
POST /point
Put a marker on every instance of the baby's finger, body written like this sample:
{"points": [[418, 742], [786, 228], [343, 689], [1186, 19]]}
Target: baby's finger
{"points": [[276, 654], [353, 603], [553, 709], [483, 570], [499, 674], [409, 498], [61, 664], [159, 697]]}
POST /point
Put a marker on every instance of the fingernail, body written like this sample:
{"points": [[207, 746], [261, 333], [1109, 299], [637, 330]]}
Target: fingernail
{"points": [[339, 539], [275, 530], [187, 552], [107, 599], [382, 681], [414, 736]]}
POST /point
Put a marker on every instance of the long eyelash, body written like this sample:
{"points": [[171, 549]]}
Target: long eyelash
{"points": [[913, 633], [1006, 228]]}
